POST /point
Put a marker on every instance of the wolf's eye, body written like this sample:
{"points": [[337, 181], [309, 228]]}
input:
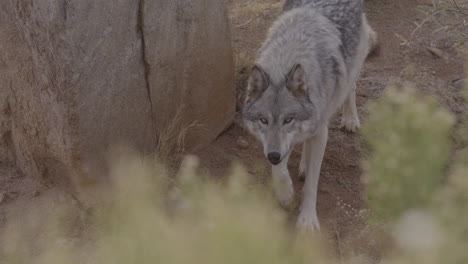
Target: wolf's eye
{"points": [[288, 120], [264, 121]]}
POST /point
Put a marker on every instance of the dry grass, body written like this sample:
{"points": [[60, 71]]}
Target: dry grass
{"points": [[254, 8], [447, 17], [244, 64], [171, 140]]}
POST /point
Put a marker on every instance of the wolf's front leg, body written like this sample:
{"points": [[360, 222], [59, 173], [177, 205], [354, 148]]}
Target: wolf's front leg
{"points": [[350, 118], [282, 183], [314, 151], [302, 164]]}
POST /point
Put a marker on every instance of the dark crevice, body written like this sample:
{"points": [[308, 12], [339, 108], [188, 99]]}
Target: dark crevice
{"points": [[13, 91], [146, 65], [65, 6]]}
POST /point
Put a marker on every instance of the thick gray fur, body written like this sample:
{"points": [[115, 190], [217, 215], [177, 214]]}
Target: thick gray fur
{"points": [[346, 14], [305, 72]]}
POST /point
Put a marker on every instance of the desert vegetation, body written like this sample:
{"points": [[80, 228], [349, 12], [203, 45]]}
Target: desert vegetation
{"points": [[417, 205]]}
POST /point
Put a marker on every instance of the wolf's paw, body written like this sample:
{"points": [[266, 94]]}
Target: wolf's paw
{"points": [[350, 125], [308, 222], [284, 192]]}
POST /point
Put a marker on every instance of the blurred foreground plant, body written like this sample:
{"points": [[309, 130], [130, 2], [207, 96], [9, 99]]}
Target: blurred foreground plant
{"points": [[149, 219], [411, 192], [409, 139]]}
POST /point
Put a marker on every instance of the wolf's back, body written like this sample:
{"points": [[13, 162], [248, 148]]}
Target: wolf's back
{"points": [[346, 14]]}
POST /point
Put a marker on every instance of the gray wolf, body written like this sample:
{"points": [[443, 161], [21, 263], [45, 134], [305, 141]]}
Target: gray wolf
{"points": [[305, 72]]}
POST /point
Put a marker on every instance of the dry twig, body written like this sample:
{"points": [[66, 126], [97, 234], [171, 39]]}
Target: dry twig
{"points": [[459, 8]]}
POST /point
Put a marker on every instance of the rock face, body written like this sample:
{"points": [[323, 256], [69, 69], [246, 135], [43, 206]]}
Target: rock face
{"points": [[79, 77], [194, 68]]}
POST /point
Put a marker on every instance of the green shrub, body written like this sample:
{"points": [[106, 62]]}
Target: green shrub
{"points": [[415, 188], [150, 220], [409, 138]]}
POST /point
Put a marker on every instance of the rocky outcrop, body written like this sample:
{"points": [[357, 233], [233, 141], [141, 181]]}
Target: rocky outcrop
{"points": [[78, 77], [192, 71]]}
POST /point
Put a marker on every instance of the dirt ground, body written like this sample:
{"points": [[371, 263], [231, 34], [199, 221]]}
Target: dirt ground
{"points": [[340, 202]]}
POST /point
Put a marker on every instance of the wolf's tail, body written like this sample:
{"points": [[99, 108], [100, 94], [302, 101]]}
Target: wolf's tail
{"points": [[374, 45]]}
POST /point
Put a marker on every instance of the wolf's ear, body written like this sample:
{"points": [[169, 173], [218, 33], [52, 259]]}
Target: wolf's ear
{"points": [[296, 81], [257, 84]]}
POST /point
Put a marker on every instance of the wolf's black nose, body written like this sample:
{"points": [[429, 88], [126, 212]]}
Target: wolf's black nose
{"points": [[274, 158]]}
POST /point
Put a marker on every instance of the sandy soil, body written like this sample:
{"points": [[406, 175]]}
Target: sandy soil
{"points": [[340, 201]]}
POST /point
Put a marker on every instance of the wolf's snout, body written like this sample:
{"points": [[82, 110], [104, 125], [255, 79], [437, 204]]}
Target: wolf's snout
{"points": [[274, 158]]}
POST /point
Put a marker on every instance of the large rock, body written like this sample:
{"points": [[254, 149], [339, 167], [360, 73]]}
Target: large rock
{"points": [[79, 77], [188, 49]]}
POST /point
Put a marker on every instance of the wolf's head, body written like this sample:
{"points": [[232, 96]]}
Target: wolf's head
{"points": [[279, 114]]}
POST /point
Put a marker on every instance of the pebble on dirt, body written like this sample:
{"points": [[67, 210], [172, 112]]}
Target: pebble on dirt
{"points": [[436, 52], [459, 83], [2, 197], [242, 143]]}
